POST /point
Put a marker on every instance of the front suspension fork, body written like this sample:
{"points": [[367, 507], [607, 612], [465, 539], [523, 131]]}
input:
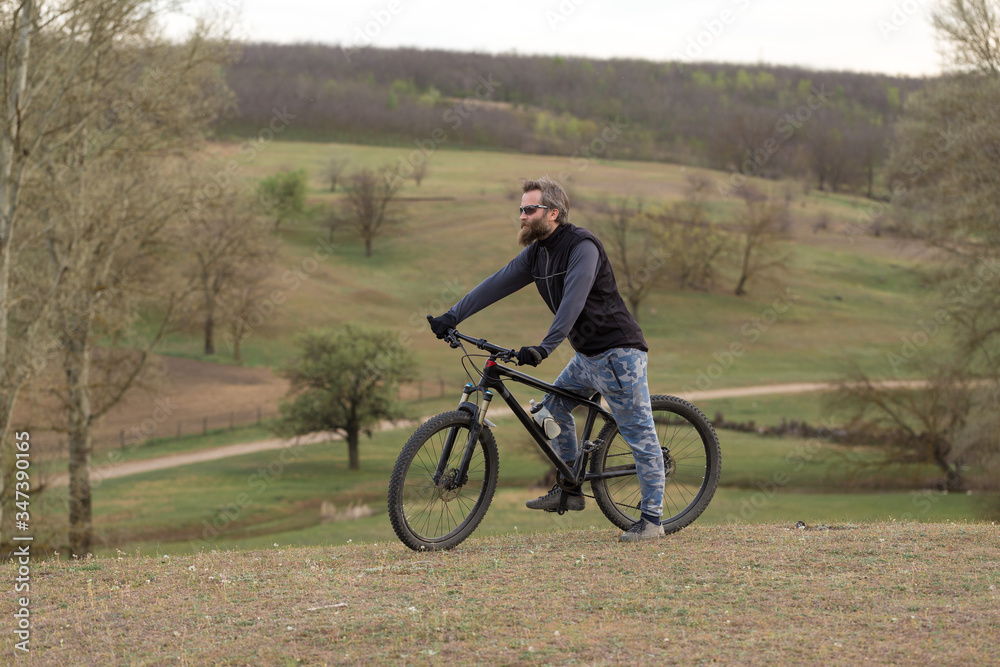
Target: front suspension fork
{"points": [[474, 431]]}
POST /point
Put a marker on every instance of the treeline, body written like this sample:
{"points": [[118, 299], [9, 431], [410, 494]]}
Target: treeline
{"points": [[755, 120]]}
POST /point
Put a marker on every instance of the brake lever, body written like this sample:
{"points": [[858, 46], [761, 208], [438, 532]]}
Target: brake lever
{"points": [[451, 339]]}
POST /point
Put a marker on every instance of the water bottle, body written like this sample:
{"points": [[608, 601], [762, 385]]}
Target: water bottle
{"points": [[544, 419]]}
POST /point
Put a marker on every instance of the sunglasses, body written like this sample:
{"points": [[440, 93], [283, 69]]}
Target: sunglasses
{"points": [[530, 210]]}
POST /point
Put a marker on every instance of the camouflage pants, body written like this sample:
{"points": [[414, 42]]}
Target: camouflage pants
{"points": [[620, 376]]}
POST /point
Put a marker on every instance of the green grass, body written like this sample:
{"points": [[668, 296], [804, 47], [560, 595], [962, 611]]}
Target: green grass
{"points": [[851, 305], [839, 305], [810, 407], [295, 495]]}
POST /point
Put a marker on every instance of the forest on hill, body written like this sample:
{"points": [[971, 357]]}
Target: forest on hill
{"points": [[756, 120]]}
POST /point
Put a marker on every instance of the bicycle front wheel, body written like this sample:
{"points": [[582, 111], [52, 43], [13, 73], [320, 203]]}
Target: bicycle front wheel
{"points": [[429, 514], [692, 461]]}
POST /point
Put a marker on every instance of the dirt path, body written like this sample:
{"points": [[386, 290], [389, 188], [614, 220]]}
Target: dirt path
{"points": [[113, 470]]}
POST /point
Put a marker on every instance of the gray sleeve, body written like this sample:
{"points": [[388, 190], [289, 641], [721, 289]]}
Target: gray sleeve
{"points": [[580, 275], [506, 281]]}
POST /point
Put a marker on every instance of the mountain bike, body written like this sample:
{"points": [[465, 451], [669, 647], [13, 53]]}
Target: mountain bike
{"points": [[444, 479]]}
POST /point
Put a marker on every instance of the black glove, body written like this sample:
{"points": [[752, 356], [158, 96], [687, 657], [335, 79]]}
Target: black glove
{"points": [[441, 325], [531, 356]]}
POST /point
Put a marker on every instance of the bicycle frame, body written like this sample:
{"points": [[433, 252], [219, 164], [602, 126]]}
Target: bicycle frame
{"points": [[493, 377]]}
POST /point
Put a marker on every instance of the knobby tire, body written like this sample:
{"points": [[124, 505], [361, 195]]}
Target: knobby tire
{"points": [[433, 516], [693, 466]]}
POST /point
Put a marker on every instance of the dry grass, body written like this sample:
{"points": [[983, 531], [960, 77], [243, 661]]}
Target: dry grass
{"points": [[766, 594]]}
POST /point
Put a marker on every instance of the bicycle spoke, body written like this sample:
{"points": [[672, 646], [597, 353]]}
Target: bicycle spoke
{"points": [[690, 457], [443, 511]]}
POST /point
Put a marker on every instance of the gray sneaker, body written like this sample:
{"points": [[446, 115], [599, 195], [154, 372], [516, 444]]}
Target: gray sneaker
{"points": [[550, 501], [641, 530]]}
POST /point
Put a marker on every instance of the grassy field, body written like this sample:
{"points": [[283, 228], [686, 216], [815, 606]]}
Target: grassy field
{"points": [[305, 495], [842, 302], [850, 593], [850, 302]]}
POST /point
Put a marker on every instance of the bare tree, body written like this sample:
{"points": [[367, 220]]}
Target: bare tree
{"points": [[923, 425], [944, 172], [334, 170], [970, 30], [626, 240], [370, 205], [226, 242], [29, 125], [762, 226], [98, 104], [690, 243], [945, 168], [332, 218], [420, 172], [114, 227], [245, 304]]}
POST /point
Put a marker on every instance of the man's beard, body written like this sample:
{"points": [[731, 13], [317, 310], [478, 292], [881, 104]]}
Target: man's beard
{"points": [[532, 231]]}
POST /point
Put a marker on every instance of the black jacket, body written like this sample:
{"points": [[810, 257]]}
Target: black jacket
{"points": [[577, 284], [605, 321]]}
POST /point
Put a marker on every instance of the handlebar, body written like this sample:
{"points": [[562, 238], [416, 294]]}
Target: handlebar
{"points": [[504, 353]]}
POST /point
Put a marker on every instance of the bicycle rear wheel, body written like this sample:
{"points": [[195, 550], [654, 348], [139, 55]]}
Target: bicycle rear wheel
{"points": [[692, 462], [432, 515]]}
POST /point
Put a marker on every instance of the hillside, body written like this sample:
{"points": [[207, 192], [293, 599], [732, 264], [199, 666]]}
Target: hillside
{"points": [[844, 300], [832, 125], [459, 226], [880, 593]]}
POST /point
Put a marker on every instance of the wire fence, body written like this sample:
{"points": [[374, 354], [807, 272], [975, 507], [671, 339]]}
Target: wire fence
{"points": [[53, 444]]}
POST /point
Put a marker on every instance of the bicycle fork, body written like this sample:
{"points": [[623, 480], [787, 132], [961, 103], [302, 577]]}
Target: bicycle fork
{"points": [[479, 418]]}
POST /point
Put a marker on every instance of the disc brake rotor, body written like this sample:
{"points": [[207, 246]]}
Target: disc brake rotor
{"points": [[669, 467], [448, 490]]}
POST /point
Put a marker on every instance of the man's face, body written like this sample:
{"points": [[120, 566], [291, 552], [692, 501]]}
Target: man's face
{"points": [[539, 223]]}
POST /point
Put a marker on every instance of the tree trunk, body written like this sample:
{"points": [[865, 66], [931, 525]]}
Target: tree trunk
{"points": [[10, 175], [77, 367], [744, 271], [954, 482], [353, 435], [210, 326], [740, 289], [368, 247]]}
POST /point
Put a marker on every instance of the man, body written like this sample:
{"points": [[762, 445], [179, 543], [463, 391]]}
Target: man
{"points": [[573, 275]]}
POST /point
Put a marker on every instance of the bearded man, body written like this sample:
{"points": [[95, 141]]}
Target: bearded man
{"points": [[571, 271]]}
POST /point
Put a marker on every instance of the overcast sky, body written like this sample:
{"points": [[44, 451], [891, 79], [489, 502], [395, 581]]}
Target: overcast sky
{"points": [[886, 36]]}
